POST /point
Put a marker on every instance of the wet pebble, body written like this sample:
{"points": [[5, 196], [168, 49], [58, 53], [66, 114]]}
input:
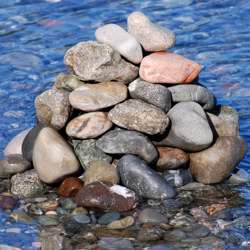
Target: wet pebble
{"points": [[48, 220], [122, 223], [108, 243], [70, 186], [81, 218], [152, 216], [149, 233], [107, 218]]}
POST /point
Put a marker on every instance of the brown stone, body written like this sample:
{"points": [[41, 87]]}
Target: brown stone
{"points": [[106, 196], [70, 186], [171, 158]]}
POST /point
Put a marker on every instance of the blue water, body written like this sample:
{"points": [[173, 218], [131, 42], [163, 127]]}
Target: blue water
{"points": [[34, 35]]}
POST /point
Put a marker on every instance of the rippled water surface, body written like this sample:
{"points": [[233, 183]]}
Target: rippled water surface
{"points": [[34, 35]]}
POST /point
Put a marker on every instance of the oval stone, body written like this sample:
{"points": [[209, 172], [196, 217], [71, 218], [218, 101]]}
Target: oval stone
{"points": [[90, 125], [92, 97], [167, 67], [70, 186], [137, 176], [215, 164], [151, 36], [121, 141], [121, 41], [53, 158], [140, 116], [67, 82]]}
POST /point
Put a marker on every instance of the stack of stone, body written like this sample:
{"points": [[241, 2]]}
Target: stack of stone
{"points": [[131, 121]]}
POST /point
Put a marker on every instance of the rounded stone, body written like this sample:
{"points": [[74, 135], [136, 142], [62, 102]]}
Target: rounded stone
{"points": [[67, 82], [90, 125], [151, 36], [70, 186], [193, 93], [214, 164], [121, 41], [140, 116], [121, 141], [178, 178], [93, 61], [107, 218], [93, 97], [53, 158], [48, 220], [101, 171], [168, 68], [154, 94], [171, 158], [137, 176], [122, 223], [52, 108], [81, 218], [152, 216]]}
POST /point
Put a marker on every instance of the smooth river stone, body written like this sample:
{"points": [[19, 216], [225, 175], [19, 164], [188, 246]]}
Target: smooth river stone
{"points": [[155, 94], [167, 67], [140, 116], [152, 216], [90, 125], [190, 129], [121, 41], [137, 176], [106, 196], [193, 93], [67, 82], [121, 141], [151, 36], [87, 151], [93, 61], [93, 97], [14, 147], [215, 164], [70, 186], [225, 121], [52, 108], [53, 158]]}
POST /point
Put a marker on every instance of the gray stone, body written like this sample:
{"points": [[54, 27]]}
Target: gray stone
{"points": [[81, 218], [121, 141], [110, 243], [151, 36], [121, 41], [193, 93], [190, 129], [48, 220], [93, 61], [178, 178], [27, 184], [240, 177], [137, 176], [108, 218], [214, 164], [53, 158], [52, 108], [152, 216], [86, 151], [93, 97], [155, 94], [140, 116], [67, 82]]}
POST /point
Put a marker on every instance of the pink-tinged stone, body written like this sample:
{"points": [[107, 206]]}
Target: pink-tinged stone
{"points": [[167, 67]]}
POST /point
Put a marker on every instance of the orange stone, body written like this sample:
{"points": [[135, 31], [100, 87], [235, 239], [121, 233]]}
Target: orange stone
{"points": [[70, 186], [167, 67]]}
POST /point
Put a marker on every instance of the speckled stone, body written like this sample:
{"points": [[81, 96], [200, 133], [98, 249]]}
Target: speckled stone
{"points": [[155, 94], [140, 116], [93, 61], [121, 141]]}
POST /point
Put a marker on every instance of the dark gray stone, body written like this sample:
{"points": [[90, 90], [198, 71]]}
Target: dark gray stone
{"points": [[108, 218]]}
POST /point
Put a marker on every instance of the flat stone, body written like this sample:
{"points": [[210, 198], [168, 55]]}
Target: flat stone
{"points": [[14, 147], [140, 116], [27, 184], [121, 141], [154, 94], [151, 36], [48, 220], [93, 97], [121, 41], [13, 164], [101, 171], [93, 61], [90, 125], [225, 120], [137, 176], [122, 223], [87, 151], [81, 218], [106, 196], [171, 158], [53, 158], [107, 218], [168, 68], [193, 93], [52, 108], [70, 186], [214, 164], [152, 216], [190, 129]]}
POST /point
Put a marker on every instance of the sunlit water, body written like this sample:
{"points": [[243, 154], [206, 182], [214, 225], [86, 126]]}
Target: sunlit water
{"points": [[34, 35]]}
